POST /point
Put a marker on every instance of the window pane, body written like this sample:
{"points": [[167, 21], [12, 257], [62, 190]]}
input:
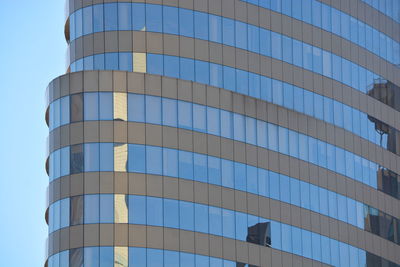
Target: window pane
{"points": [[106, 208], [87, 20], [137, 210], [153, 109], [110, 17], [171, 213], [201, 25], [228, 26], [106, 256], [154, 258], [154, 155], [125, 61], [199, 118], [105, 106], [240, 176], [138, 15], [202, 72], [124, 17], [227, 173], [215, 32], [170, 18], [136, 158], [91, 256], [214, 170], [92, 159], [170, 165], [137, 257], [241, 35], [76, 157], [76, 107], [186, 22], [136, 108], [171, 66], [111, 61], [200, 168], [155, 64], [185, 115], [186, 215], [276, 45], [239, 127], [76, 257], [185, 165], [76, 210], [201, 218], [187, 69], [98, 18], [154, 211], [215, 221], [154, 18], [92, 209]]}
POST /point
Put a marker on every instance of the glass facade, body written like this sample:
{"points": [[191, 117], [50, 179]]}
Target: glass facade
{"points": [[205, 119], [338, 22], [267, 89], [185, 22], [198, 168], [139, 257], [170, 213], [235, 175], [388, 7]]}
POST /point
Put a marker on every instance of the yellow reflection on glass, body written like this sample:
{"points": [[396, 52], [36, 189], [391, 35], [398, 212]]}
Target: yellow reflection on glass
{"points": [[120, 107], [120, 209], [139, 62], [120, 257], [120, 157]]}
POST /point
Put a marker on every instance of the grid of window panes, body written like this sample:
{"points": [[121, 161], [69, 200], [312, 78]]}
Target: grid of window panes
{"points": [[264, 42], [139, 257], [246, 178], [390, 8], [185, 22], [337, 22], [258, 86], [208, 169], [186, 115], [134, 257], [189, 216]]}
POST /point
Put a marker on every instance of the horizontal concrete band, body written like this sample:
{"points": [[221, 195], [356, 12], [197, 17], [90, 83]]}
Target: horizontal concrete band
{"points": [[220, 98], [208, 194], [172, 239]]}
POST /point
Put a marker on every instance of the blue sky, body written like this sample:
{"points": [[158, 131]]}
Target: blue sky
{"points": [[32, 53]]}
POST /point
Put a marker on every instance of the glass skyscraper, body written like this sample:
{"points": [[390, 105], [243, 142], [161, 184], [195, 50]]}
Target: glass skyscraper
{"points": [[226, 133]]}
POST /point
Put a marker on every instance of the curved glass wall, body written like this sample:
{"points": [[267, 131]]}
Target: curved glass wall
{"points": [[95, 157], [171, 213], [172, 20], [139, 257], [254, 85], [195, 117], [237, 34], [390, 8], [134, 257], [337, 22]]}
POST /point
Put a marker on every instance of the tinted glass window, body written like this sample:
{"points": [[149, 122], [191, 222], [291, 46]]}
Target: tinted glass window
{"points": [[110, 17]]}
